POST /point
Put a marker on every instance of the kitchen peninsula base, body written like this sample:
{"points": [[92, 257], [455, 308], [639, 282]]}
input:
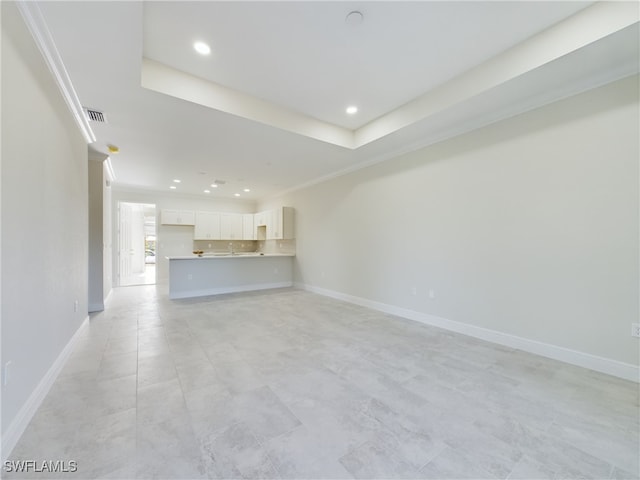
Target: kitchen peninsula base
{"points": [[213, 275]]}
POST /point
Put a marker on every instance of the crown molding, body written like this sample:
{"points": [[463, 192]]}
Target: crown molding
{"points": [[40, 32], [111, 175]]}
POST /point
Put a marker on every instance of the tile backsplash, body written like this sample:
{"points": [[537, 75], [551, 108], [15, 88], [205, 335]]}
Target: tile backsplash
{"points": [[219, 246], [264, 246], [277, 246]]}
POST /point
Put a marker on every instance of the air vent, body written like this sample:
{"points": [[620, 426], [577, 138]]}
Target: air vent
{"points": [[95, 115], [219, 182]]}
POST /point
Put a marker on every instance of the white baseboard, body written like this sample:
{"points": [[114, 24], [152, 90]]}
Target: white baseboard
{"points": [[623, 370], [100, 306], [108, 297], [218, 291], [28, 410]]}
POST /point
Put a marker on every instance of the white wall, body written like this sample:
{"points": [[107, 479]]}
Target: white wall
{"points": [[107, 237], [172, 240], [527, 227], [96, 233], [44, 218], [99, 232]]}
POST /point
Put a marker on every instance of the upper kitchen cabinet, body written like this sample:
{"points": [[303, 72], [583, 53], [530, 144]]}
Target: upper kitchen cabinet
{"points": [[207, 226], [248, 228], [231, 226], [280, 224], [177, 217], [276, 224], [260, 219]]}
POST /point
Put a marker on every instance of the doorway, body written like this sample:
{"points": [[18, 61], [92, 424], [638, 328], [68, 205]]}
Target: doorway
{"points": [[136, 244]]}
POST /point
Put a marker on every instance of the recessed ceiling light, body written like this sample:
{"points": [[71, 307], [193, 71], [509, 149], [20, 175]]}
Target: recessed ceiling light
{"points": [[214, 185], [247, 190], [202, 48], [207, 191], [236, 194], [176, 181], [172, 187], [352, 109]]}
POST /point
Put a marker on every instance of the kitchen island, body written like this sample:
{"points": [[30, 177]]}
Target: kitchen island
{"points": [[197, 276]]}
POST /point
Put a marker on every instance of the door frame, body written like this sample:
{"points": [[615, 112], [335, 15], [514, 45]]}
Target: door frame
{"points": [[123, 233]]}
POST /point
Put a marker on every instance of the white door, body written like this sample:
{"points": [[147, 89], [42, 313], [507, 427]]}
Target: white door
{"points": [[131, 246], [137, 239], [125, 212]]}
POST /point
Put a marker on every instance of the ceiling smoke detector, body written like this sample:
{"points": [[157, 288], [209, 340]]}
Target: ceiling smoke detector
{"points": [[354, 18]]}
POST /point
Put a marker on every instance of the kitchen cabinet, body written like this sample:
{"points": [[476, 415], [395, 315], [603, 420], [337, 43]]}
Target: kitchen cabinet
{"points": [[207, 226], [196, 276], [177, 217], [248, 230], [231, 226], [280, 223], [274, 224], [260, 219]]}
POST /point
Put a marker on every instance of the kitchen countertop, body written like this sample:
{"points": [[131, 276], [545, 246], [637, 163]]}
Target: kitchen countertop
{"points": [[216, 256]]}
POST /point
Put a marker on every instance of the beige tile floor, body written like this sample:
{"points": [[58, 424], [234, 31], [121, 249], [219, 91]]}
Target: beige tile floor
{"points": [[289, 384]]}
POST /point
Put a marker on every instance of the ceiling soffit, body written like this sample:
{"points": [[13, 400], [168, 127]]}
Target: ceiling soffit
{"points": [[570, 35]]}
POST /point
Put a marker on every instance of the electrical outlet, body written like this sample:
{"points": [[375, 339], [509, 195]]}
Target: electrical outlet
{"points": [[635, 329], [414, 291], [5, 373], [189, 276], [75, 306], [432, 294]]}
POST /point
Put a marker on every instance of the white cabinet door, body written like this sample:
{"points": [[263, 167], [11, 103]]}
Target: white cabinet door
{"points": [[274, 227], [201, 229], [280, 224], [230, 226], [236, 227], [207, 226], [187, 217], [260, 219], [248, 230], [177, 217]]}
